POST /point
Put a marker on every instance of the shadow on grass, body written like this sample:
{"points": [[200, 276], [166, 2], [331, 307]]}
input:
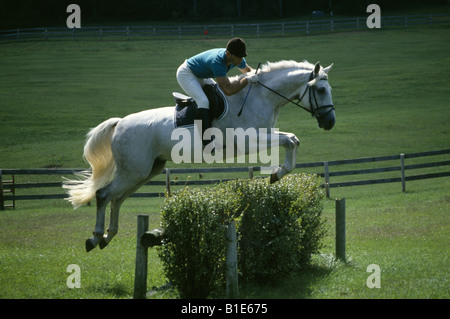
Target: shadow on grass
{"points": [[293, 286]]}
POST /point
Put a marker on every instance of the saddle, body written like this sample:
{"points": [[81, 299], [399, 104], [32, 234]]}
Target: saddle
{"points": [[186, 107]]}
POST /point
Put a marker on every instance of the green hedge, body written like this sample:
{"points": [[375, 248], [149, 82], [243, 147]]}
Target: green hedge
{"points": [[279, 227]]}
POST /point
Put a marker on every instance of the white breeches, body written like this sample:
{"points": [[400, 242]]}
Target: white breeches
{"points": [[192, 85]]}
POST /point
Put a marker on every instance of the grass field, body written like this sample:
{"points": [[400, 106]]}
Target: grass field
{"points": [[391, 95]]}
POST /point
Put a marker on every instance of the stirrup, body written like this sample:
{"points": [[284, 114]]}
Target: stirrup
{"points": [[181, 98]]}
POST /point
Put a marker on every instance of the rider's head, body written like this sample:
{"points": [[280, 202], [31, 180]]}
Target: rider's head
{"points": [[236, 51], [236, 46]]}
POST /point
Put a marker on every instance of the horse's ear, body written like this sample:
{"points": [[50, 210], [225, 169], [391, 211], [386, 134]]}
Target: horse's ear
{"points": [[328, 68], [317, 68]]}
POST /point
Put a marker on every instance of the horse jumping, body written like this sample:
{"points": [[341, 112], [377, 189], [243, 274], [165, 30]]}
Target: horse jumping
{"points": [[124, 153]]}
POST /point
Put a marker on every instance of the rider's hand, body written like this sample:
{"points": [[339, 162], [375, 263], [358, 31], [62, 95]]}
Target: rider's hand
{"points": [[252, 78]]}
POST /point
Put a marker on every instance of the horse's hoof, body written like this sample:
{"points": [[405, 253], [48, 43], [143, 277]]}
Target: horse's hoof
{"points": [[90, 245], [103, 243], [274, 178]]}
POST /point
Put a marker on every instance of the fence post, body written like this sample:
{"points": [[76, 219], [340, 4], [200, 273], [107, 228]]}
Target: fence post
{"points": [[140, 272], [232, 287], [168, 181], [340, 229], [327, 179], [250, 172], [2, 201], [402, 167]]}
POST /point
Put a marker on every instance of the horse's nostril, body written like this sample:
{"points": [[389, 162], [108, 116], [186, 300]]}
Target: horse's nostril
{"points": [[330, 123], [327, 122]]}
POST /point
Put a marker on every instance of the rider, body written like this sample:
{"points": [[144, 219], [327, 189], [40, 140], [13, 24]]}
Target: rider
{"points": [[215, 63]]}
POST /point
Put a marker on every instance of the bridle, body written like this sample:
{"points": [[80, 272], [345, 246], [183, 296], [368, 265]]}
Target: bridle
{"points": [[312, 95]]}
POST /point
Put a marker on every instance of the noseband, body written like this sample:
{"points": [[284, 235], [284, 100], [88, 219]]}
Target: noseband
{"points": [[312, 95]]}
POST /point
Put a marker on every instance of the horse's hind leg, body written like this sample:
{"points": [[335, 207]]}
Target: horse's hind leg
{"points": [[117, 201], [102, 202], [103, 197]]}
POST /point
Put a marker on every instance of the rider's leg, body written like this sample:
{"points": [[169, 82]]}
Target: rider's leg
{"points": [[193, 87]]}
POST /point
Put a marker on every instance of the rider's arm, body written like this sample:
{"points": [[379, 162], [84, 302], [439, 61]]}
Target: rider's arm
{"points": [[246, 69], [230, 88]]}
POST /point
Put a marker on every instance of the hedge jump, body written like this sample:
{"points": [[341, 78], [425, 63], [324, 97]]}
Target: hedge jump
{"points": [[151, 238], [147, 239]]}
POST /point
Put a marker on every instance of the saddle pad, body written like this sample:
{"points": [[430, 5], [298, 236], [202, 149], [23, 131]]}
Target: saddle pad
{"points": [[185, 115], [186, 108]]}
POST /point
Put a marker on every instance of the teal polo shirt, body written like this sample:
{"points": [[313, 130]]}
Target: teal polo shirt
{"points": [[211, 64]]}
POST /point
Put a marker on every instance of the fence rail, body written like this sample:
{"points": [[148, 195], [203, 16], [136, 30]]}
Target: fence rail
{"points": [[294, 28], [10, 187]]}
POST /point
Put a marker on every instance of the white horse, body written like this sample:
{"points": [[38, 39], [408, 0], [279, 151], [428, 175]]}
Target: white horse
{"points": [[125, 153]]}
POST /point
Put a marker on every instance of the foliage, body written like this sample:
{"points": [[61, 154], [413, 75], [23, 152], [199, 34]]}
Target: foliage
{"points": [[280, 227], [194, 221]]}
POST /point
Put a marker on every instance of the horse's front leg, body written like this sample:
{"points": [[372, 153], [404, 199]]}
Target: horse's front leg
{"points": [[291, 143]]}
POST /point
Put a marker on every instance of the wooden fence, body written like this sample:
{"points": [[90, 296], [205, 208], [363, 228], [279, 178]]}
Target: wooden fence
{"points": [[275, 29], [11, 188]]}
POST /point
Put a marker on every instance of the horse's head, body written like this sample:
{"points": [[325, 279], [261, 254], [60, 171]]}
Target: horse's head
{"points": [[319, 101]]}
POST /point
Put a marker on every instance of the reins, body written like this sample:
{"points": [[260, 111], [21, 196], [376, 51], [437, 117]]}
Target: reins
{"points": [[311, 94]]}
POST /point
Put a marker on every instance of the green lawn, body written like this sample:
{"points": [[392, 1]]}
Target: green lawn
{"points": [[391, 97], [387, 87], [406, 234]]}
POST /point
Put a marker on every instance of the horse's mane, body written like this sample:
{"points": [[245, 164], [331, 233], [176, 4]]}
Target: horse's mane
{"points": [[281, 65], [286, 64]]}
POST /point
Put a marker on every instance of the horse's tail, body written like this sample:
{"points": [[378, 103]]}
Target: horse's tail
{"points": [[98, 153]]}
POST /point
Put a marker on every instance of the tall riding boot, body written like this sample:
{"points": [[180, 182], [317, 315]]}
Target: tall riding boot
{"points": [[203, 115]]}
